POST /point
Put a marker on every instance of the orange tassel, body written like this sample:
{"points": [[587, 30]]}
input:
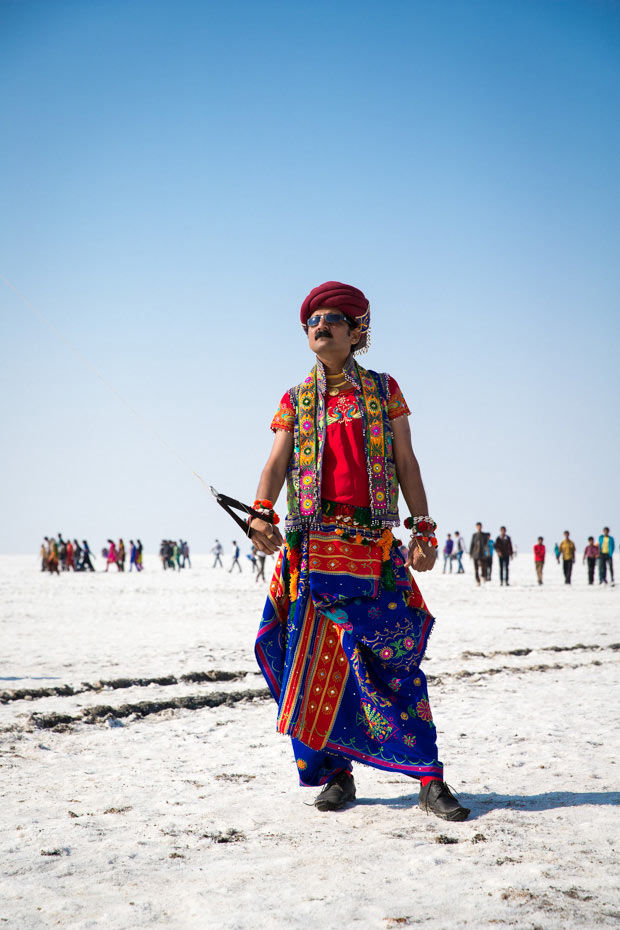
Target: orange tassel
{"points": [[294, 578], [385, 544]]}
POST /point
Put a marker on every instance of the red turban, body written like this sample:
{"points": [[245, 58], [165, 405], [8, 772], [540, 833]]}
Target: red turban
{"points": [[344, 297]]}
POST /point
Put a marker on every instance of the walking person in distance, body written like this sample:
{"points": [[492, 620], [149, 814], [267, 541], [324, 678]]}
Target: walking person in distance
{"points": [[503, 547], [606, 545], [477, 551], [590, 555], [567, 552], [539, 559]]}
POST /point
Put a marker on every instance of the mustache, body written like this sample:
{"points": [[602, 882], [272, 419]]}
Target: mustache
{"points": [[323, 332]]}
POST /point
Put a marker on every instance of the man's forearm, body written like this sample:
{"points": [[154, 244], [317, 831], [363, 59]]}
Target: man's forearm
{"points": [[270, 482], [274, 472], [408, 470], [410, 480]]}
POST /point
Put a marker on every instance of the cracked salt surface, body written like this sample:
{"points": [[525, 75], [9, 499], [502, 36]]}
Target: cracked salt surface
{"points": [[192, 818]]}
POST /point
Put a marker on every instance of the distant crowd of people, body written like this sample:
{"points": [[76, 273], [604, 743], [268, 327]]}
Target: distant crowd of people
{"points": [[174, 555], [453, 551], [482, 549], [117, 555], [600, 553], [256, 559], [65, 555]]}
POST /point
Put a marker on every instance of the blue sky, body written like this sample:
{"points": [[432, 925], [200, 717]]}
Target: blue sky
{"points": [[174, 178]]}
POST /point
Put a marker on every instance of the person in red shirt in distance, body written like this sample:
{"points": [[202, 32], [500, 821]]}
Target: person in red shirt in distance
{"points": [[539, 559]]}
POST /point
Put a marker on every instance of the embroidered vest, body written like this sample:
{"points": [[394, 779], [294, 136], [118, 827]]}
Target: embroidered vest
{"points": [[306, 464]]}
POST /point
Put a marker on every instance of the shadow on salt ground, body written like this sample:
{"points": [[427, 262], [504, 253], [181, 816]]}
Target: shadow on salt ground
{"points": [[550, 800], [481, 804], [407, 800]]}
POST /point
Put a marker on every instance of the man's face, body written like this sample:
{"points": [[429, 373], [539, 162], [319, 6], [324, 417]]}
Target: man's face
{"points": [[503, 531], [335, 338], [478, 526]]}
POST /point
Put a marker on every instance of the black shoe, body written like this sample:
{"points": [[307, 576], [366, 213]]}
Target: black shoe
{"points": [[336, 793], [437, 798]]}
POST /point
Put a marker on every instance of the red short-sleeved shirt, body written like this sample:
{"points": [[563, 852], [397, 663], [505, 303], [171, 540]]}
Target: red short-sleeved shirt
{"points": [[345, 478]]}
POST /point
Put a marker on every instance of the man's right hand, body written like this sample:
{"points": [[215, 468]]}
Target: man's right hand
{"points": [[265, 536]]}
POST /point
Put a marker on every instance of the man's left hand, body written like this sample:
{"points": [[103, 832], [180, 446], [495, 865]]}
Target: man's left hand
{"points": [[265, 536], [422, 556]]}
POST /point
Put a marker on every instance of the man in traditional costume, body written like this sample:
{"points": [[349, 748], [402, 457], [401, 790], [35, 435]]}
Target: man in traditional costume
{"points": [[345, 626]]}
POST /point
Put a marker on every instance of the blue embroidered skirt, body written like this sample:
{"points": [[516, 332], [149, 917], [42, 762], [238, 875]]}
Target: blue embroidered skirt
{"points": [[340, 645]]}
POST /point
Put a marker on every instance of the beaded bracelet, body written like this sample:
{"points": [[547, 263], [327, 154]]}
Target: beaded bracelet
{"points": [[420, 525], [266, 507]]}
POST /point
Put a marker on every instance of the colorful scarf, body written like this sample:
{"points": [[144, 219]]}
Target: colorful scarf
{"points": [[304, 501]]}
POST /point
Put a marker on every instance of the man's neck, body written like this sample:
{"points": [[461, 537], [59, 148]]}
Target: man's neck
{"points": [[333, 365]]}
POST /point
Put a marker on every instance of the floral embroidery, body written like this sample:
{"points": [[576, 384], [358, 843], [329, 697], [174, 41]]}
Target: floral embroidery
{"points": [[302, 764], [423, 709], [409, 740], [308, 444], [376, 442], [395, 684], [398, 648]]}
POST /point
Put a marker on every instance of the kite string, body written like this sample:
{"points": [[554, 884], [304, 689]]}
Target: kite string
{"points": [[85, 361]]}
